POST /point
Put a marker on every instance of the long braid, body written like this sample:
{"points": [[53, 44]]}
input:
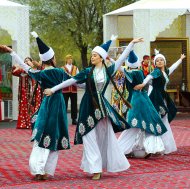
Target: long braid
{"points": [[120, 94]]}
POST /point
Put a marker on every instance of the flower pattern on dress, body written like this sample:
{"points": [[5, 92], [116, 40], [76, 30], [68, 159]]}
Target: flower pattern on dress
{"points": [[144, 125], [90, 121], [151, 127], [34, 118], [158, 127], [34, 134], [64, 142], [47, 141], [97, 114], [134, 122], [81, 129], [162, 111]]}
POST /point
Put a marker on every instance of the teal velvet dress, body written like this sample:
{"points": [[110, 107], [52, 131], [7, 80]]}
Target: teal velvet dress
{"points": [[50, 125], [90, 113], [142, 115], [159, 96]]}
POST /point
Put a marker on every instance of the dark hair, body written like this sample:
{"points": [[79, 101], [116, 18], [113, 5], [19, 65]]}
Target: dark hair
{"points": [[49, 62], [28, 58]]}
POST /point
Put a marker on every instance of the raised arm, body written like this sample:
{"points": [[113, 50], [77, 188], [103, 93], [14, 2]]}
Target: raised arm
{"points": [[175, 65], [68, 82], [21, 63], [126, 52]]}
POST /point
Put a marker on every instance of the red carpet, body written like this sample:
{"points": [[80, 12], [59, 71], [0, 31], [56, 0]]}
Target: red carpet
{"points": [[170, 171]]}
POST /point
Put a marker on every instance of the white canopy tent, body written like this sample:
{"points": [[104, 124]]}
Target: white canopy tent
{"points": [[150, 17], [14, 18]]}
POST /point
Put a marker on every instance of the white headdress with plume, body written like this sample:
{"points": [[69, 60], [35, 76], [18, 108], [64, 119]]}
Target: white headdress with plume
{"points": [[158, 55]]}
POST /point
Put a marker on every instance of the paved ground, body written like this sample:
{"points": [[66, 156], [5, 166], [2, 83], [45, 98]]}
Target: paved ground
{"points": [[166, 172]]}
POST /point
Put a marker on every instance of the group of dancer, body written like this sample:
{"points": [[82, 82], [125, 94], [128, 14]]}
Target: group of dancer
{"points": [[143, 133]]}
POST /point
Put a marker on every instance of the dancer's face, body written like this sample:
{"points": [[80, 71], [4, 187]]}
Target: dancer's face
{"points": [[28, 62], [96, 58], [160, 63]]}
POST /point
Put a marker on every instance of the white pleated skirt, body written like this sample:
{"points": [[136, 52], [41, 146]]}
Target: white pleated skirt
{"points": [[42, 161], [139, 142], [101, 150], [168, 138]]}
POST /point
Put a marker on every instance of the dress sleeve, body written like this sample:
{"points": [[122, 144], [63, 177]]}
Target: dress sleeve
{"points": [[64, 84], [24, 66], [147, 79], [123, 56], [82, 76], [155, 73], [35, 74], [174, 66]]}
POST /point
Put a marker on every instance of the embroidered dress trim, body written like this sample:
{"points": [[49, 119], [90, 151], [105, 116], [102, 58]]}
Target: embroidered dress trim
{"points": [[81, 129], [134, 122], [34, 71], [90, 121], [162, 111], [97, 114], [46, 141], [159, 129], [65, 143], [144, 125], [151, 127], [34, 134], [100, 91], [34, 118], [167, 80]]}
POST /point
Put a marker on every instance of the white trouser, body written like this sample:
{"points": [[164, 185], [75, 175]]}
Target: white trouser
{"points": [[168, 138], [42, 161], [137, 141], [101, 150]]}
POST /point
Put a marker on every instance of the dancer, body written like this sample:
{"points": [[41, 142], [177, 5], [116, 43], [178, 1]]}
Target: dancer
{"points": [[160, 98], [50, 132], [97, 118], [143, 139], [24, 95]]}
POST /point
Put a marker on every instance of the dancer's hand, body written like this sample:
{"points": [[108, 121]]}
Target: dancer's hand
{"points": [[139, 86], [137, 40], [5, 49], [48, 92], [182, 56]]}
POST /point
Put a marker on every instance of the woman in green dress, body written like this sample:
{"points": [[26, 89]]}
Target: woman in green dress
{"points": [[50, 125], [98, 120], [160, 98], [143, 139]]}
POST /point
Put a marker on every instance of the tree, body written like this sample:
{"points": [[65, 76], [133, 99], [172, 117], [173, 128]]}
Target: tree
{"points": [[79, 21]]}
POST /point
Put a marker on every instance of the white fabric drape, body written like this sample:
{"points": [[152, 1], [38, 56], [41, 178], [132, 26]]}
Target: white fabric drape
{"points": [[137, 141], [101, 150], [42, 161]]}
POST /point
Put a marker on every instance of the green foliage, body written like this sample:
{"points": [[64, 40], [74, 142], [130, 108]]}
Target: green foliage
{"points": [[5, 38], [71, 26]]}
